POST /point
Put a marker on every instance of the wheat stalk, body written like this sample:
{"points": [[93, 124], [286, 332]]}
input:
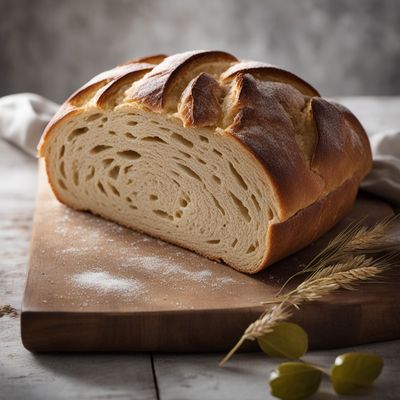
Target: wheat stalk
{"points": [[338, 266]]}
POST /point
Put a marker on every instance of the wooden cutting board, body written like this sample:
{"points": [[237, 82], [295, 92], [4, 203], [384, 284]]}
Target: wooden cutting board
{"points": [[96, 286]]}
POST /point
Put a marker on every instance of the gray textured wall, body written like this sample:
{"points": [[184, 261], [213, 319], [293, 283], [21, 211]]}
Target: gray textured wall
{"points": [[343, 47]]}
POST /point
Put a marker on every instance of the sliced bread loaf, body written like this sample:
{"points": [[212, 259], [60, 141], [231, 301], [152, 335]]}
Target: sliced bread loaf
{"points": [[239, 161]]}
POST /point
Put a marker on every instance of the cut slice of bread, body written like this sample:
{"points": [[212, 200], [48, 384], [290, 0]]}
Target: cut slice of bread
{"points": [[239, 161]]}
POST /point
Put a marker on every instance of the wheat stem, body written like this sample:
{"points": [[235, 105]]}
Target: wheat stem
{"points": [[232, 351]]}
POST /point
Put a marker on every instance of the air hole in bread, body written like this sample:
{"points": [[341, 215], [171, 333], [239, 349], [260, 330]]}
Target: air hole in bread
{"points": [[104, 120], [153, 197], [218, 205], [164, 129], [127, 169], [90, 175], [179, 138], [114, 190], [187, 155], [234, 243], [101, 188], [237, 176], [214, 241], [130, 136], [77, 132], [163, 214], [175, 181], [154, 122], [132, 123], [201, 161], [251, 249], [132, 206], [112, 132], [129, 154], [107, 161], [183, 203], [216, 179], [93, 117], [62, 184], [217, 152], [75, 177], [99, 148], [204, 139], [178, 214], [256, 203], [270, 214], [62, 151], [241, 207], [114, 172], [153, 139], [62, 169], [189, 171]]}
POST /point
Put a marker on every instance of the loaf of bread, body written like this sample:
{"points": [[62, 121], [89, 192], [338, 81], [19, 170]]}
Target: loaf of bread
{"points": [[240, 161]]}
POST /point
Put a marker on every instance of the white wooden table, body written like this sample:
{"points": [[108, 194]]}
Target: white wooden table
{"points": [[140, 376]]}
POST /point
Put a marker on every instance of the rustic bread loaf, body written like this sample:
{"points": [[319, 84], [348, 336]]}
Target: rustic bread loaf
{"points": [[237, 160]]}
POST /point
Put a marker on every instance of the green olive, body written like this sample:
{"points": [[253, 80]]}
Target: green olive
{"points": [[286, 340], [353, 371], [295, 381]]}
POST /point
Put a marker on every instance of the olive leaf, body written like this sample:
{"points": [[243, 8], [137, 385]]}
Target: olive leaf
{"points": [[286, 340], [294, 381], [353, 371]]}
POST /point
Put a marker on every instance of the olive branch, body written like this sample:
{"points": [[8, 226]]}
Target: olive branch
{"points": [[355, 255]]}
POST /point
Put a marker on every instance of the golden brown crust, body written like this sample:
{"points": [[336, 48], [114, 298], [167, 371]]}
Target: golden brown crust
{"points": [[338, 147], [314, 152], [199, 105], [128, 74], [162, 87], [309, 223], [268, 72]]}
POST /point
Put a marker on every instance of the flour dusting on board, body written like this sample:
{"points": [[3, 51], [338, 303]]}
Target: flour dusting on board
{"points": [[125, 264], [105, 282], [168, 267]]}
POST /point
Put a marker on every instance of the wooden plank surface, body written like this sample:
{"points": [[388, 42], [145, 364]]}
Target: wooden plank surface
{"points": [[20, 371], [96, 286]]}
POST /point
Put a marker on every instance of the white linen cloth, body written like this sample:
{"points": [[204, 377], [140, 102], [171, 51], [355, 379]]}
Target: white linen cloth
{"points": [[24, 116]]}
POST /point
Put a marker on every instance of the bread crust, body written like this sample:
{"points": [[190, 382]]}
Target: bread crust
{"points": [[309, 223], [269, 72], [313, 152], [154, 90], [199, 104]]}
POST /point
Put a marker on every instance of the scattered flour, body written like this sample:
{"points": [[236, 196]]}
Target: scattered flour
{"points": [[88, 234], [164, 266], [104, 282]]}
